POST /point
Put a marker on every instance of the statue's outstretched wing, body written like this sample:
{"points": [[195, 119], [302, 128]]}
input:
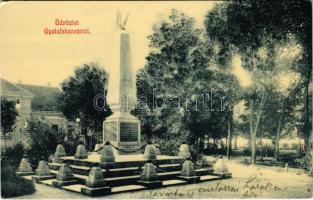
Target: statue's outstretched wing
{"points": [[125, 20], [118, 19]]}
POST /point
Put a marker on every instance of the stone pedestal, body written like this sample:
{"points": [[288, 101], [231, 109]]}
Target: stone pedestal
{"points": [[188, 171], [42, 172], [81, 152], [97, 149], [184, 151], [123, 131], [150, 152], [220, 169], [149, 177], [24, 168], [59, 152], [65, 176], [95, 183], [107, 158]]}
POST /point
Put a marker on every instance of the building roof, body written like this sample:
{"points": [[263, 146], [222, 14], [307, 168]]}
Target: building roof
{"points": [[8, 88], [45, 97]]}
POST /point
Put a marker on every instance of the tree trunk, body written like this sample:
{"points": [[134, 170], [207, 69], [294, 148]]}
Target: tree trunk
{"points": [[266, 148], [253, 145], [254, 128], [252, 137], [261, 156], [306, 139], [277, 138], [229, 138], [306, 131], [299, 140], [310, 151], [235, 142]]}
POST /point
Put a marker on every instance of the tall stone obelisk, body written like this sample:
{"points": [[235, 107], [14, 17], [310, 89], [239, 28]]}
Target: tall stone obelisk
{"points": [[122, 129]]}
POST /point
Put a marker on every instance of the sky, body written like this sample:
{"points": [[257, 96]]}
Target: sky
{"points": [[32, 57]]}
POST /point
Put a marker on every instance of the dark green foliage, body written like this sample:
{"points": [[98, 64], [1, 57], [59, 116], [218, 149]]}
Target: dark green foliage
{"points": [[249, 25], [13, 185], [178, 70], [14, 154], [306, 163], [8, 115], [42, 140], [245, 23], [70, 146], [78, 93]]}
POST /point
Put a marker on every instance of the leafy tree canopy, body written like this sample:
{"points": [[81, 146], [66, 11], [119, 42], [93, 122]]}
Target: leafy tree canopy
{"points": [[78, 93], [8, 115]]}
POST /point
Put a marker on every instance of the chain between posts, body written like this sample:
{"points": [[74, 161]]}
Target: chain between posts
{"points": [[132, 151], [170, 149], [121, 150]]}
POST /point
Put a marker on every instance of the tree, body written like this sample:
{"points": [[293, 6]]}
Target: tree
{"points": [[8, 115], [250, 25], [174, 75], [78, 97], [183, 90]]}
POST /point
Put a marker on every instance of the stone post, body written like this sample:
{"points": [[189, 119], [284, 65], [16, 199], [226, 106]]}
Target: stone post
{"points": [[220, 168], [95, 183], [97, 148], [65, 176], [150, 152], [24, 168], [184, 151], [149, 177], [188, 171], [107, 158], [81, 152], [43, 172], [59, 152]]}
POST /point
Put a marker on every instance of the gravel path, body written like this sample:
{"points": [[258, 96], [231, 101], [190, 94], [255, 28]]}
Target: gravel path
{"points": [[247, 182]]}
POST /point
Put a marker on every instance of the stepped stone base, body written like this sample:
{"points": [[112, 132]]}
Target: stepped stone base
{"points": [[60, 184], [41, 178], [190, 178], [121, 161], [96, 191], [125, 175], [25, 173], [223, 174], [105, 165], [151, 184]]}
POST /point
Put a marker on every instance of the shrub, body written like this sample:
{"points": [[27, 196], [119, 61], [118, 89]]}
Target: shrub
{"points": [[13, 185], [70, 147], [269, 152], [214, 150], [14, 154], [43, 140], [167, 146], [306, 162]]}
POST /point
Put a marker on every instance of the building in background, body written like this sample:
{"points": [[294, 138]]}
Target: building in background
{"points": [[44, 105], [31, 101]]}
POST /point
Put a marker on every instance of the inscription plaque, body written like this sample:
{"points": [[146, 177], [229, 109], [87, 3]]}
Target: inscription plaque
{"points": [[128, 132], [110, 130]]}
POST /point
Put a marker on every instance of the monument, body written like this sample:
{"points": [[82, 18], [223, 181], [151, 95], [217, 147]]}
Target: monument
{"points": [[122, 129]]}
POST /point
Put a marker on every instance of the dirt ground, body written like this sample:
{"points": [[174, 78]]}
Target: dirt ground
{"points": [[247, 182]]}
